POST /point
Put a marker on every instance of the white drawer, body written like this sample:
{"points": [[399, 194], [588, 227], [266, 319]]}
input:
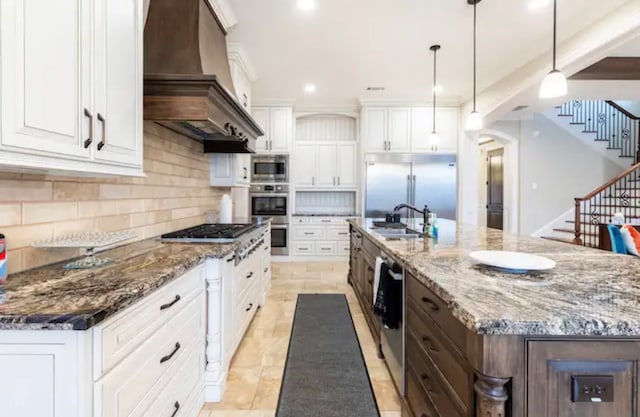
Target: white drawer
{"points": [[338, 232], [120, 335], [186, 384], [129, 388], [344, 248], [329, 220], [300, 220], [303, 248], [308, 232], [326, 248], [246, 309]]}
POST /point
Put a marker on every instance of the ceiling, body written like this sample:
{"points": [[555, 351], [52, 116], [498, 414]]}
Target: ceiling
{"points": [[345, 46]]}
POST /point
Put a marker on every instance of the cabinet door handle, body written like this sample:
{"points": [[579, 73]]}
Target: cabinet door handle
{"points": [[245, 173], [169, 305], [177, 407], [424, 377], [429, 344], [266, 270], [313, 180], [249, 308], [338, 180], [169, 356], [432, 305], [231, 259], [88, 141], [249, 275], [104, 132]]}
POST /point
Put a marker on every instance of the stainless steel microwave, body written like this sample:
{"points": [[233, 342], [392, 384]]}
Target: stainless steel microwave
{"points": [[270, 168]]}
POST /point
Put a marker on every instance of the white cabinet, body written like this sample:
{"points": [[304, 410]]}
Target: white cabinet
{"points": [[277, 123], [386, 130], [330, 165], [320, 237], [119, 81], [447, 121], [241, 83], [71, 86], [230, 170]]}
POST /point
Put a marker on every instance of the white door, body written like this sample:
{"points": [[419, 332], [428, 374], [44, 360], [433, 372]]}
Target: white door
{"points": [[447, 122], [281, 129], [421, 128], [399, 129], [119, 76], [46, 77], [305, 165], [261, 116], [347, 165], [375, 130], [326, 165]]}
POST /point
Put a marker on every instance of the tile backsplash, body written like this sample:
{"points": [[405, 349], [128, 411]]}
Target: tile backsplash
{"points": [[174, 194]]}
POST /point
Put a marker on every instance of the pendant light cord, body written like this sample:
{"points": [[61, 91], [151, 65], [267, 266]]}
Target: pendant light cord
{"points": [[555, 31], [475, 20], [435, 53]]}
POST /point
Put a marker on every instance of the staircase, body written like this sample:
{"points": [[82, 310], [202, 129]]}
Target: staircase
{"points": [[618, 131]]}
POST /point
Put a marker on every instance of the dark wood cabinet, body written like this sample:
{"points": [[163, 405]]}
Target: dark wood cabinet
{"points": [[362, 273]]}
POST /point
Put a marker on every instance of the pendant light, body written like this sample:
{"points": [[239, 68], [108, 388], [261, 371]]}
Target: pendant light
{"points": [[555, 83], [474, 121], [434, 138]]}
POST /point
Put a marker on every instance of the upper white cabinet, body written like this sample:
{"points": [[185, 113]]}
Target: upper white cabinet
{"points": [[447, 120], [329, 165], [71, 86], [386, 130], [242, 73], [230, 170], [277, 123], [403, 130]]}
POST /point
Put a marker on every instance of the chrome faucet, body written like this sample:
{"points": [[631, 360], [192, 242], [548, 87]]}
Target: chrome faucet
{"points": [[425, 214]]}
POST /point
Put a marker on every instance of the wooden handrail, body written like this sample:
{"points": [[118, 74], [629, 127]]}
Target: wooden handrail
{"points": [[609, 184], [622, 110]]}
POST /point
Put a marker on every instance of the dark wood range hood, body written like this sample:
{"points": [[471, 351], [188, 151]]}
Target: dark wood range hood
{"points": [[187, 82]]}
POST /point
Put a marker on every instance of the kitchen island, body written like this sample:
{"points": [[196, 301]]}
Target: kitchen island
{"points": [[150, 334], [483, 342]]}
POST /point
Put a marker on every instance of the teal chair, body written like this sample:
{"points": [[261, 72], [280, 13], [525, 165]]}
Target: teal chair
{"points": [[617, 243]]}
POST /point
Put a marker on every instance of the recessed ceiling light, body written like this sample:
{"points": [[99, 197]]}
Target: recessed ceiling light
{"points": [[536, 5], [438, 89], [310, 88], [307, 5]]}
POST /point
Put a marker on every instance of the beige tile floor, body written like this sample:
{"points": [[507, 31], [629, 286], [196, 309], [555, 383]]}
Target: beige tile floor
{"points": [[256, 370]]}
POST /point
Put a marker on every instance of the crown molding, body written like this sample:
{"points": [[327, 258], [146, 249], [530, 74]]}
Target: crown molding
{"points": [[239, 55], [224, 13]]}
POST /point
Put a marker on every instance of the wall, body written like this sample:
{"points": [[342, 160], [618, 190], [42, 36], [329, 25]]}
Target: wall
{"points": [[632, 107], [175, 194], [555, 167]]}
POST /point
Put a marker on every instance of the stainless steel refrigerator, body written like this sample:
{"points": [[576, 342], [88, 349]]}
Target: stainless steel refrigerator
{"points": [[418, 180]]}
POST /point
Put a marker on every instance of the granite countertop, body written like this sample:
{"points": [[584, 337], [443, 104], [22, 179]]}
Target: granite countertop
{"points": [[324, 215], [52, 298], [589, 293]]}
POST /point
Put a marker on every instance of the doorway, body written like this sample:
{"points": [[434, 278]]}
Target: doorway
{"points": [[495, 189]]}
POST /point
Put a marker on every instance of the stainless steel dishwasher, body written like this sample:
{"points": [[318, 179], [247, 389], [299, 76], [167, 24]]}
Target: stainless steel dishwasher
{"points": [[392, 340]]}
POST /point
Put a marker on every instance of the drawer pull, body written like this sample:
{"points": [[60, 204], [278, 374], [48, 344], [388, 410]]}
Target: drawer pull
{"points": [[342, 233], [231, 259], [370, 281], [249, 308], [432, 305], [177, 407], [309, 233], [326, 221], [266, 270], [168, 305], [370, 269], [429, 344], [250, 275], [424, 377], [303, 248], [169, 356]]}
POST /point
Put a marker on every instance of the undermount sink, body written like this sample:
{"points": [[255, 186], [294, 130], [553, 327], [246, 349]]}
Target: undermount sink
{"points": [[404, 233]]}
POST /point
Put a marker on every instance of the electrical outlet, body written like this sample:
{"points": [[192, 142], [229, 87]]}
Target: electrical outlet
{"points": [[592, 388]]}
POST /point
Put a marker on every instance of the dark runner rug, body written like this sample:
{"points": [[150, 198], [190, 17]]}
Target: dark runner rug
{"points": [[325, 374]]}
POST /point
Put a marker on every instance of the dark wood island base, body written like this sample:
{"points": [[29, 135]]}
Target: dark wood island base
{"points": [[453, 371]]}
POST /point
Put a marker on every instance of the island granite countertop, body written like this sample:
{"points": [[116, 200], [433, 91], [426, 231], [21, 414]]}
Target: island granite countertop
{"points": [[52, 298], [589, 293]]}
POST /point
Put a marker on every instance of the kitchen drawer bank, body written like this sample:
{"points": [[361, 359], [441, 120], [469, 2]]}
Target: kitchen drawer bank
{"points": [[150, 335], [483, 343]]}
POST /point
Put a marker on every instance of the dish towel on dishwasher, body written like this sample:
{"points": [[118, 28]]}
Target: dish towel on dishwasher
{"points": [[388, 305], [376, 279]]}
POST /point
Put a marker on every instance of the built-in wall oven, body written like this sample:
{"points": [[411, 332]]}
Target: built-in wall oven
{"points": [[270, 168], [272, 200]]}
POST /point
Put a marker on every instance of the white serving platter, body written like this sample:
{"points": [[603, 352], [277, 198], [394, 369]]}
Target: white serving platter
{"points": [[513, 261]]}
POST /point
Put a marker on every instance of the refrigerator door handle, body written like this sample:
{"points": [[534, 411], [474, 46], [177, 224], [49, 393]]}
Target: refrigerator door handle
{"points": [[409, 189], [413, 190]]}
